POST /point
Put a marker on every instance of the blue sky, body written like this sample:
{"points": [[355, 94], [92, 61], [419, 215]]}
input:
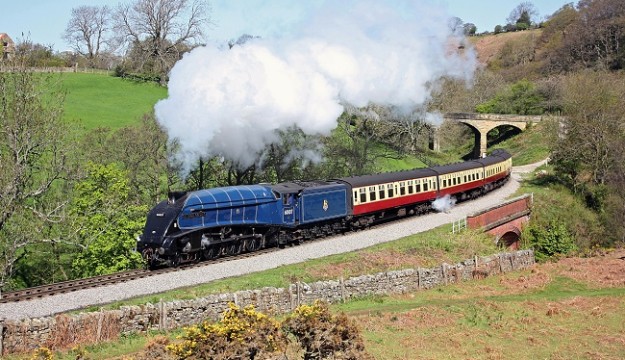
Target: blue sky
{"points": [[43, 21]]}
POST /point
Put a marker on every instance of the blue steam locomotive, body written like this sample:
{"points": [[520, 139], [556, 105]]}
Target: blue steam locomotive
{"points": [[206, 224]]}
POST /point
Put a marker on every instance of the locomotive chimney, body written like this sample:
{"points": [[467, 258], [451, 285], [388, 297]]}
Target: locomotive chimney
{"points": [[172, 196]]}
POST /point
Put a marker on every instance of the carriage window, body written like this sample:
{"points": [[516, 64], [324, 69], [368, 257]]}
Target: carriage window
{"points": [[402, 188], [465, 178], [355, 196], [372, 194], [410, 187], [363, 195], [382, 192], [454, 181], [389, 187], [445, 183], [425, 186]]}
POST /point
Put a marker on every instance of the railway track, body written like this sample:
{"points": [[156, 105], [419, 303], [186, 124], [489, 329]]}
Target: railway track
{"points": [[71, 285], [103, 280]]}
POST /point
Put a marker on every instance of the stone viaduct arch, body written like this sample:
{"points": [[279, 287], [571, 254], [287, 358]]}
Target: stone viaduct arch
{"points": [[481, 124]]}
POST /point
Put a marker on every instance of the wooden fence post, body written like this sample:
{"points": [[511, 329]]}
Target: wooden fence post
{"points": [[1, 338]]}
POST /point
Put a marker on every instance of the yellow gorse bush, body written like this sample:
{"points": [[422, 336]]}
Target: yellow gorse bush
{"points": [[42, 353]]}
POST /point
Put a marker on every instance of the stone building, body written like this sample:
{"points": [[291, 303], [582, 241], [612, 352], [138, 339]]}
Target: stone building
{"points": [[7, 48]]}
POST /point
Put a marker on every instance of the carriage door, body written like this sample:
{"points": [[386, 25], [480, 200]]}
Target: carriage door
{"points": [[288, 209]]}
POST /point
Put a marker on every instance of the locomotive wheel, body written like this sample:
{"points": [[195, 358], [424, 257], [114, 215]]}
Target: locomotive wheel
{"points": [[175, 260], [210, 253], [252, 244], [234, 248]]}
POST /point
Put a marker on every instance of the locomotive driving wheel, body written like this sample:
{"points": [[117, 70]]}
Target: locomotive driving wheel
{"points": [[252, 244], [211, 252], [234, 248]]}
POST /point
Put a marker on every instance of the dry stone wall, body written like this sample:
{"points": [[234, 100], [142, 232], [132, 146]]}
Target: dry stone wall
{"points": [[69, 330]]}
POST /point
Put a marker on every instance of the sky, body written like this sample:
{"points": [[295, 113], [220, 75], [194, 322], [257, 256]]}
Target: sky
{"points": [[43, 21]]}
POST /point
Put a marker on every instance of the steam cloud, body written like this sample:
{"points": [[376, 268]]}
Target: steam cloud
{"points": [[229, 102], [444, 204]]}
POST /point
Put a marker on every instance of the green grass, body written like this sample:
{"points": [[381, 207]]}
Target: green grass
{"points": [[530, 146], [405, 163], [96, 100]]}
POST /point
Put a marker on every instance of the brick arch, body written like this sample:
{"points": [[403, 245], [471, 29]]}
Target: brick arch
{"points": [[511, 239]]}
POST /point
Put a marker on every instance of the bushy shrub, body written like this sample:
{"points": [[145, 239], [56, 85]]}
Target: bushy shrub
{"points": [[325, 335], [551, 241], [311, 332], [243, 333]]}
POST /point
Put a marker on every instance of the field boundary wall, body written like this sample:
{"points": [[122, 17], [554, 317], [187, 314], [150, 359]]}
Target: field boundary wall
{"points": [[65, 330]]}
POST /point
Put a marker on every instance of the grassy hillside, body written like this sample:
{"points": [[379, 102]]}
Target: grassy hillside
{"points": [[96, 100]]}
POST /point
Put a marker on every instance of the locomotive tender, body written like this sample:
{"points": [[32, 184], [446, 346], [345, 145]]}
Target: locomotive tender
{"points": [[206, 224]]}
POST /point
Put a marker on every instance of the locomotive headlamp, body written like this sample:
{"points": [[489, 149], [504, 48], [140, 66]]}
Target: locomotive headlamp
{"points": [[161, 250]]}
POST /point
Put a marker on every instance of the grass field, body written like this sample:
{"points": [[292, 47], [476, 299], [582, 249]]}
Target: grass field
{"points": [[96, 100], [545, 313]]}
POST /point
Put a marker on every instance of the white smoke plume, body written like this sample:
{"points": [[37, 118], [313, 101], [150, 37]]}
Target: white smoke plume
{"points": [[230, 102], [444, 204]]}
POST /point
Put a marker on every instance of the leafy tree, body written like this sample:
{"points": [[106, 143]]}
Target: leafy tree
{"points": [[105, 224], [523, 13], [551, 241], [354, 147], [143, 151], [34, 153], [37, 55], [589, 152], [600, 34], [469, 29], [524, 22], [498, 29]]}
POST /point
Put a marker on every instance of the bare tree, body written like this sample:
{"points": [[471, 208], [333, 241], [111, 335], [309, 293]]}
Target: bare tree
{"points": [[161, 29], [526, 10], [87, 30]]}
